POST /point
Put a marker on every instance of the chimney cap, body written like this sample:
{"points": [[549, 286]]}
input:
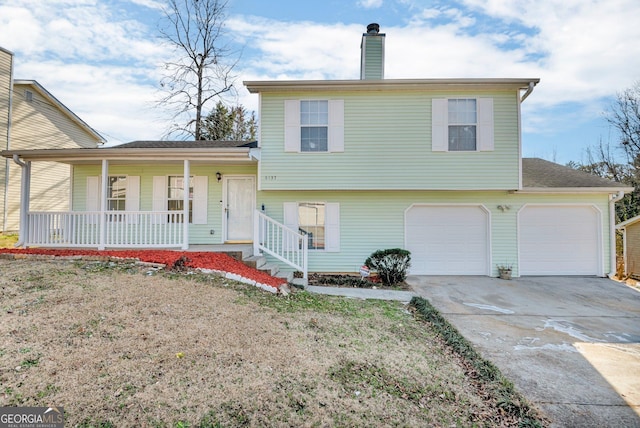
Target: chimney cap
{"points": [[373, 28]]}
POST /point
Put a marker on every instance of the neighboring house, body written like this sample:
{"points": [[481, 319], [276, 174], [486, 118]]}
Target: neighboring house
{"points": [[344, 168], [631, 246], [32, 118]]}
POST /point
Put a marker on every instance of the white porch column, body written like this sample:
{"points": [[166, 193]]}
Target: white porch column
{"points": [[103, 204], [185, 223], [25, 191]]}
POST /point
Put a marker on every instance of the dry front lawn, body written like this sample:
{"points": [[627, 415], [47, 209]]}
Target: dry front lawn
{"points": [[120, 345]]}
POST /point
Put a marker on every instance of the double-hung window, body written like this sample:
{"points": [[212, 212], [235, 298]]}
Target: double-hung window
{"points": [[320, 221], [311, 221], [117, 193], [175, 194], [314, 126], [462, 125], [463, 121]]}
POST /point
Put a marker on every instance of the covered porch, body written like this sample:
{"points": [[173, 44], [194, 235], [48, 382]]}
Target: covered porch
{"points": [[157, 208]]}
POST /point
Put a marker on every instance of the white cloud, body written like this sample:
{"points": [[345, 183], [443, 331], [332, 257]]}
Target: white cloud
{"points": [[370, 4], [101, 60]]}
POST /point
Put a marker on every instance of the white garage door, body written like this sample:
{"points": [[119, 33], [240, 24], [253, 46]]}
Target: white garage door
{"points": [[447, 240], [559, 240]]}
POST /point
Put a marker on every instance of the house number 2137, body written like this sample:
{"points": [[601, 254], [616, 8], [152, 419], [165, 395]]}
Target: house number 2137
{"points": [[270, 178]]}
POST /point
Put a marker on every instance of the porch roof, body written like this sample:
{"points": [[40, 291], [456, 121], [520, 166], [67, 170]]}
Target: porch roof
{"points": [[230, 152]]}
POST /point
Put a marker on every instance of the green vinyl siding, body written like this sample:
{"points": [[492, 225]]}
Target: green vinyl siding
{"points": [[373, 220], [373, 57], [198, 233], [387, 145]]}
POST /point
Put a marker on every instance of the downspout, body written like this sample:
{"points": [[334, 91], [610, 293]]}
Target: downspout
{"points": [[5, 213], [25, 185], [612, 232], [528, 92]]}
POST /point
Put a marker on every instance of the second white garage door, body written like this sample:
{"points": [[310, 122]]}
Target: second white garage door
{"points": [[448, 239], [560, 240]]}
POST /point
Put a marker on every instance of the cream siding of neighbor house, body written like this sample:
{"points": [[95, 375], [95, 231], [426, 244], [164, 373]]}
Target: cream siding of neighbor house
{"points": [[6, 64], [632, 249], [388, 145], [198, 233], [37, 123], [374, 220]]}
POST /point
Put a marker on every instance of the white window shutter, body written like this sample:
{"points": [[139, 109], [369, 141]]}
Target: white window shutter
{"points": [[439, 125], [336, 126], [200, 186], [292, 133], [159, 200], [332, 227], [485, 124], [290, 220], [93, 193], [132, 201]]}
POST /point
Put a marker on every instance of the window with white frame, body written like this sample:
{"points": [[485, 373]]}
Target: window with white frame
{"points": [[314, 126], [463, 120], [462, 125], [175, 194], [117, 193], [311, 221]]}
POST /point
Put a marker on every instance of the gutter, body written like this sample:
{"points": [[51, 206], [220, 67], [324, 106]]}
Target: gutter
{"points": [[612, 232]]}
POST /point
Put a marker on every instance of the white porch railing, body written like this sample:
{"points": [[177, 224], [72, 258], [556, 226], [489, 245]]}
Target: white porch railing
{"points": [[123, 229], [281, 242]]}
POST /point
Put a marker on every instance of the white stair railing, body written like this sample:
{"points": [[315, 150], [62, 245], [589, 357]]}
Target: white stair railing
{"points": [[285, 244]]}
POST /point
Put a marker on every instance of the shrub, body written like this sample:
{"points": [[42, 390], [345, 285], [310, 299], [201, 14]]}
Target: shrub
{"points": [[391, 265]]}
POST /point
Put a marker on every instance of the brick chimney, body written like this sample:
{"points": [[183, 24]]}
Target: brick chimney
{"points": [[372, 54]]}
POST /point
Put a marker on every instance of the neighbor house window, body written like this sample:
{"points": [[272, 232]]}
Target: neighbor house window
{"points": [[117, 193], [463, 120], [314, 126], [311, 221], [176, 194]]}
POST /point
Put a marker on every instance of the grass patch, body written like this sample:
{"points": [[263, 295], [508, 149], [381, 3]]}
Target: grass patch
{"points": [[117, 346], [490, 379], [8, 240]]}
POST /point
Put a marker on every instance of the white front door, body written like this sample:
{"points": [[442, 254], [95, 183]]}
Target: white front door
{"points": [[239, 204]]}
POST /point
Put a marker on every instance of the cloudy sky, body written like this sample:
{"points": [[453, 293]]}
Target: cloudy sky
{"points": [[102, 58]]}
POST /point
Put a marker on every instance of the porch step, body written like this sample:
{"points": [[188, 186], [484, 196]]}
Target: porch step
{"points": [[255, 262], [300, 282]]}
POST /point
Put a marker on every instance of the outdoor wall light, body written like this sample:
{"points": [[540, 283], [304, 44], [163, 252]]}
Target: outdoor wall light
{"points": [[503, 208], [218, 176]]}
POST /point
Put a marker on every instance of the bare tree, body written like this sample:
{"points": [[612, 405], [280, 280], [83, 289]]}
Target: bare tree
{"points": [[202, 70], [624, 116]]}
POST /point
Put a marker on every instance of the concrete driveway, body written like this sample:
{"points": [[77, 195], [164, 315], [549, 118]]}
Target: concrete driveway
{"points": [[571, 345]]}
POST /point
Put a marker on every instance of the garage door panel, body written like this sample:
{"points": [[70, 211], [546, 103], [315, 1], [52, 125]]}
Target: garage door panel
{"points": [[447, 240], [559, 240]]}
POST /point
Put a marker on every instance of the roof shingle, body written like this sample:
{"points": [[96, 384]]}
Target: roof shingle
{"points": [[537, 173]]}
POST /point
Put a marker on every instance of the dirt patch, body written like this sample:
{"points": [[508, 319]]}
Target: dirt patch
{"points": [[124, 345]]}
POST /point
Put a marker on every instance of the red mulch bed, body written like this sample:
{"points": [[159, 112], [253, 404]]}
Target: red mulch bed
{"points": [[202, 260]]}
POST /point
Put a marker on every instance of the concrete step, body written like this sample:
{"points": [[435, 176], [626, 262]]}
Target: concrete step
{"points": [[270, 268], [286, 275], [300, 282], [255, 262]]}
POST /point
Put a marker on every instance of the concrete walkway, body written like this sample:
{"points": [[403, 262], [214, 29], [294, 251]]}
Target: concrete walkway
{"points": [[570, 345], [362, 293]]}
